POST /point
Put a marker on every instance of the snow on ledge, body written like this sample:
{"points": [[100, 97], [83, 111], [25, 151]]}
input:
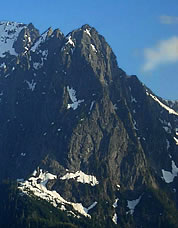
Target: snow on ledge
{"points": [[81, 177], [170, 110], [36, 184]]}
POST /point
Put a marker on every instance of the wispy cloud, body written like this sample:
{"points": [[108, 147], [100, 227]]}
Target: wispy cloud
{"points": [[166, 51], [164, 19]]}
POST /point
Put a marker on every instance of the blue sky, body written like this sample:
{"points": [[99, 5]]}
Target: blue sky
{"points": [[142, 33]]}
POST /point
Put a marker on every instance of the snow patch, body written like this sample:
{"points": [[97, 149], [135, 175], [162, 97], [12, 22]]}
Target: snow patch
{"points": [[1, 94], [169, 176], [135, 124], [118, 186], [91, 207], [20, 180], [81, 177], [115, 107], [176, 140], [133, 99], [170, 156], [167, 129], [131, 204], [171, 111], [3, 65], [91, 106], [44, 54], [29, 39], [72, 95], [87, 31], [37, 65], [41, 40], [93, 48], [70, 41], [31, 85], [7, 75], [23, 154], [168, 144], [114, 218], [167, 125], [115, 203], [62, 208]]}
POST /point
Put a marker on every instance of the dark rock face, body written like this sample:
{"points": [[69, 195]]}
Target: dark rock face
{"points": [[65, 104], [25, 39]]}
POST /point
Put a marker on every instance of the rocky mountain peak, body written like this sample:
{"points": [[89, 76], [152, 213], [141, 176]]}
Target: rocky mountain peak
{"points": [[9, 33], [77, 128]]}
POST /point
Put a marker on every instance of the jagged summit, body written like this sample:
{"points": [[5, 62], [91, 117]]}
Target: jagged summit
{"points": [[16, 38], [86, 26]]}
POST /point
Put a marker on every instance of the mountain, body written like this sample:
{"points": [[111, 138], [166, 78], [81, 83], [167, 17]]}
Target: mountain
{"points": [[82, 144]]}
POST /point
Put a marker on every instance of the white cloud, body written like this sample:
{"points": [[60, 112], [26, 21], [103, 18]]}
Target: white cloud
{"points": [[166, 51], [168, 20]]}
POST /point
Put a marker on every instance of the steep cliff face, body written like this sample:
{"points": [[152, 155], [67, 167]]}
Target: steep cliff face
{"points": [[66, 108]]}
